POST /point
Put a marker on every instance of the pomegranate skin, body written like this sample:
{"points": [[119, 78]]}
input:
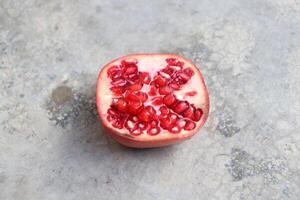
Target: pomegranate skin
{"points": [[129, 140]]}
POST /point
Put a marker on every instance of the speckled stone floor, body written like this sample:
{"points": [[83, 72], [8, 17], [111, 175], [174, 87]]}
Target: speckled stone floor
{"points": [[52, 146]]}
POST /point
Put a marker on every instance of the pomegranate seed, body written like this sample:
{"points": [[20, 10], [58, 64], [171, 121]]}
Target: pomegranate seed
{"points": [[198, 114], [112, 70], [175, 68], [165, 90], [171, 60], [121, 105], [141, 125], [179, 63], [152, 111], [133, 79], [165, 75], [136, 132], [165, 123], [153, 123], [135, 87], [143, 96], [153, 91], [119, 82], [116, 75], [133, 118], [117, 90], [175, 129], [111, 111], [184, 78], [113, 114], [130, 70], [160, 81], [169, 100], [146, 114], [188, 71], [110, 118], [127, 64], [118, 124], [175, 86], [133, 107], [190, 125], [129, 125], [189, 113], [136, 96], [173, 118], [181, 106], [153, 131], [164, 110], [145, 77], [131, 96], [168, 71], [181, 123], [157, 101], [174, 61]]}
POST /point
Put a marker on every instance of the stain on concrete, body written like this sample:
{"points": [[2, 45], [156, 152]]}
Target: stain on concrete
{"points": [[67, 106], [243, 165], [226, 126], [61, 95]]}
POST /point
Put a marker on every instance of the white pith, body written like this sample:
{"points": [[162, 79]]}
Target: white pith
{"points": [[152, 64]]}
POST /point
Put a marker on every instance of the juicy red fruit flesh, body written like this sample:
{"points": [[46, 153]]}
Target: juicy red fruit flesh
{"points": [[157, 108]]}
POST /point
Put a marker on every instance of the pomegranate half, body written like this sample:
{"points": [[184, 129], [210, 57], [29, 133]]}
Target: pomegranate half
{"points": [[151, 100]]}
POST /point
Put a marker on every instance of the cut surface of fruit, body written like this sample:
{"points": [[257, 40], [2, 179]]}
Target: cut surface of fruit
{"points": [[151, 100]]}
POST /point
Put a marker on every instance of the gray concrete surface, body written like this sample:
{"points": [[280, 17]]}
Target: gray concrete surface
{"points": [[52, 147]]}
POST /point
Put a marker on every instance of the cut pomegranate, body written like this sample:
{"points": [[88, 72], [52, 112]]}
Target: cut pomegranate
{"points": [[151, 100]]}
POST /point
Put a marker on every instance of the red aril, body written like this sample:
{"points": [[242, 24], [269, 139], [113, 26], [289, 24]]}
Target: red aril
{"points": [[120, 104], [169, 100], [156, 101], [181, 106], [145, 77], [160, 80], [165, 90], [189, 125], [151, 100], [133, 107]]}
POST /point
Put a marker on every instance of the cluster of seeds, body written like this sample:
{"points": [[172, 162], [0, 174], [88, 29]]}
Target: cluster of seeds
{"points": [[157, 108]]}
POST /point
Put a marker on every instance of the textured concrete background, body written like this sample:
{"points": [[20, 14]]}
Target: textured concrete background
{"points": [[52, 147]]}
